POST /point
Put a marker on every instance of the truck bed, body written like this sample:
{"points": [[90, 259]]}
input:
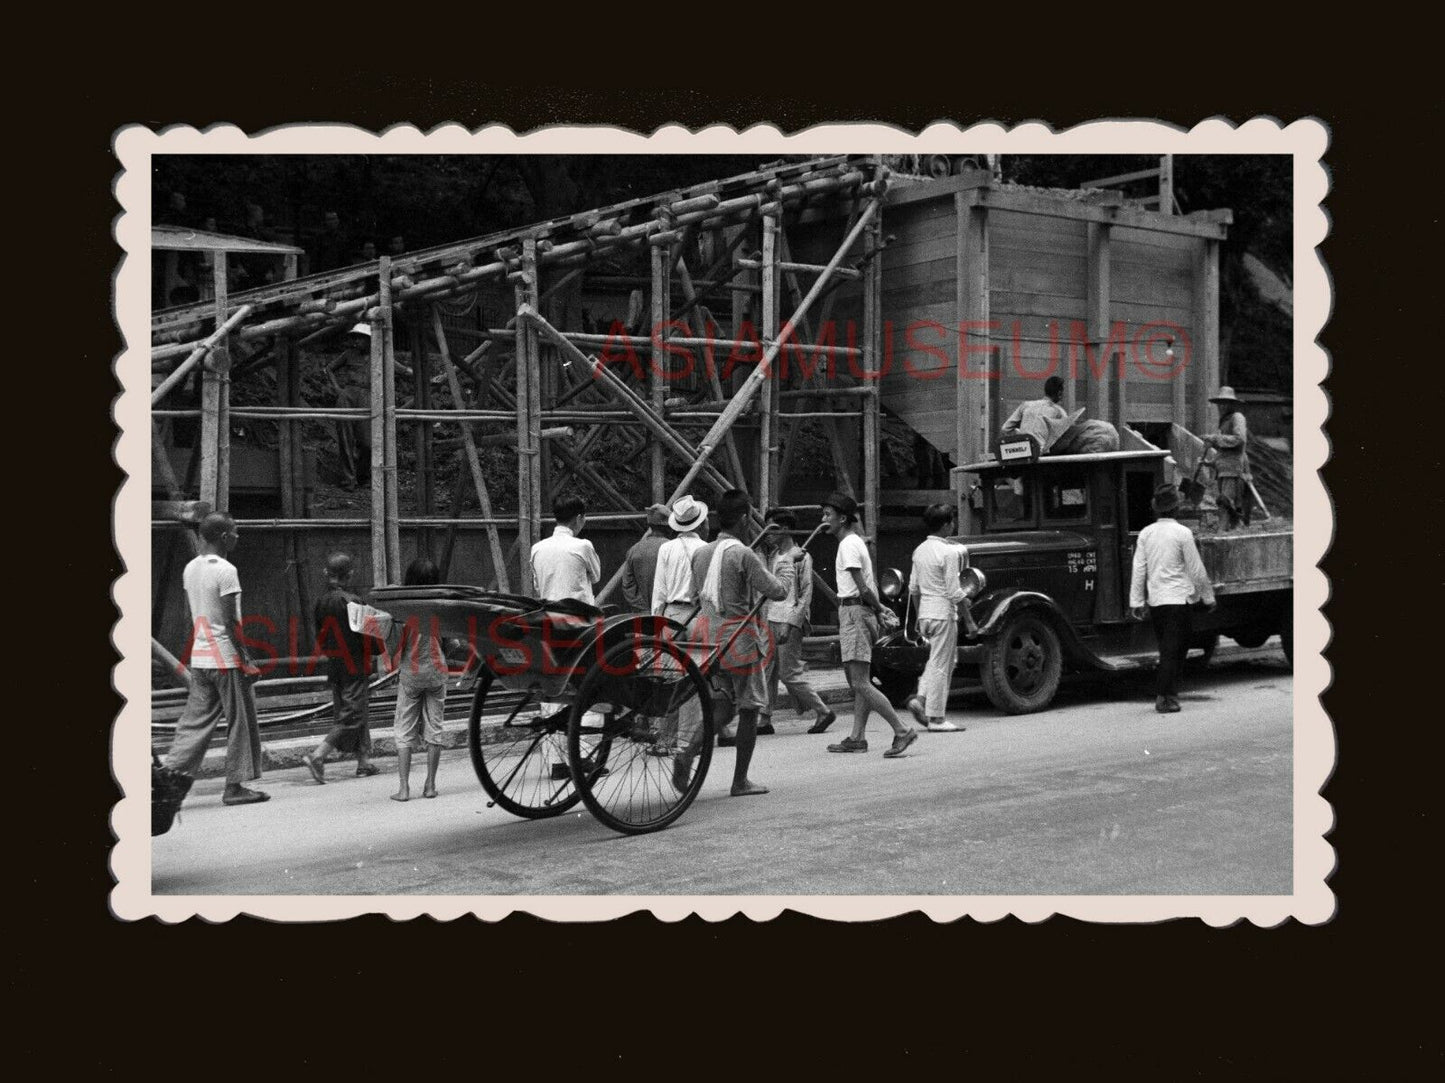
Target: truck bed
{"points": [[1242, 561]]}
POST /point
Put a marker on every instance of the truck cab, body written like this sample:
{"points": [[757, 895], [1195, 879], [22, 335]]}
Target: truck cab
{"points": [[1055, 543]]}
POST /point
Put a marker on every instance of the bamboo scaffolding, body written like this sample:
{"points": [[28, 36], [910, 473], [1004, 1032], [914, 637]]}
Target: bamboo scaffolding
{"points": [[750, 386], [456, 258], [469, 448], [833, 435], [667, 436], [422, 434], [195, 356]]}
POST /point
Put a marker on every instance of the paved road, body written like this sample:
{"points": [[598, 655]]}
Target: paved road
{"points": [[1099, 795]]}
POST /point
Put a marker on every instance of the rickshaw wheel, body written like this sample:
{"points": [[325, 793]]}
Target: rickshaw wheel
{"points": [[515, 762], [655, 727]]}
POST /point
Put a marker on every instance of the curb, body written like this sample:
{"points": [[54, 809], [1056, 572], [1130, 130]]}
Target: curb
{"points": [[285, 753]]}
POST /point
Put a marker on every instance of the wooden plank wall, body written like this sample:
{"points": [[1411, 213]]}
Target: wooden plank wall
{"points": [[1038, 288], [1151, 281], [921, 317]]}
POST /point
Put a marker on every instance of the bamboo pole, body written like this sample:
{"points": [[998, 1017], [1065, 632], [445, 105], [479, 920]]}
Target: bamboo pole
{"points": [[661, 294], [393, 502], [212, 377], [469, 448], [285, 468], [378, 460], [178, 672], [873, 340], [299, 499], [199, 353], [528, 515], [766, 453], [800, 268], [743, 398]]}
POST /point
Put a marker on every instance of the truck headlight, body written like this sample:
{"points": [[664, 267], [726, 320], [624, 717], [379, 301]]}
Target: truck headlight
{"points": [[891, 584], [973, 582]]}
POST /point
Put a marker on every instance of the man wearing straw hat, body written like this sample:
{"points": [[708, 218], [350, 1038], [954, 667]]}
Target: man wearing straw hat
{"points": [[1168, 575], [672, 593], [1231, 462]]}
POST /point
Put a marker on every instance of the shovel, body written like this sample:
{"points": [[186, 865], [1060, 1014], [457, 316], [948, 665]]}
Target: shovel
{"points": [[1192, 489]]}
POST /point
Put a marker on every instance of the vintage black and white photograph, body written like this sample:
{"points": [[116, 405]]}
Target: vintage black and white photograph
{"points": [[891, 524]]}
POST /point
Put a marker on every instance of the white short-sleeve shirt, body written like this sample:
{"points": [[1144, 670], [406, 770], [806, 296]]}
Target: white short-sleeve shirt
{"points": [[853, 553]]}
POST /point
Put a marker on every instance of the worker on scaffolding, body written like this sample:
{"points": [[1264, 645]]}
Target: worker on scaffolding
{"points": [[1231, 461], [353, 437]]}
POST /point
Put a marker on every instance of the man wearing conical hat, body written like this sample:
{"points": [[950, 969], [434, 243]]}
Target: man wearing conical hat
{"points": [[1231, 462]]}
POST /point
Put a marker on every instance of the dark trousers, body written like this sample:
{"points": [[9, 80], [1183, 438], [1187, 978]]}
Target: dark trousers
{"points": [[1171, 630], [351, 700]]}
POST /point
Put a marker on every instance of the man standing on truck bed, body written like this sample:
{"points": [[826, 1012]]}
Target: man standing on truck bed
{"points": [[1231, 462], [1168, 575]]}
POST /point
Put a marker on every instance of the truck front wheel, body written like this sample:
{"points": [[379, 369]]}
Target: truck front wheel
{"points": [[1022, 665]]}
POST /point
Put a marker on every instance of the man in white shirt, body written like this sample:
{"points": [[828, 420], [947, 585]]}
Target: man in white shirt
{"points": [[566, 565], [1168, 575], [672, 593], [860, 614], [935, 591], [221, 672]]}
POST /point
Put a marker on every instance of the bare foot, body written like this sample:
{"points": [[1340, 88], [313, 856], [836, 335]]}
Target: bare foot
{"points": [[748, 789], [430, 791], [401, 795]]}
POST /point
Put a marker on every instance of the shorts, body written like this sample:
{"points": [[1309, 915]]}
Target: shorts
{"points": [[419, 714], [740, 676], [857, 632]]}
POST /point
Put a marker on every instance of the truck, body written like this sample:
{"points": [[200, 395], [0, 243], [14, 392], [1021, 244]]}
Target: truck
{"points": [[1051, 560]]}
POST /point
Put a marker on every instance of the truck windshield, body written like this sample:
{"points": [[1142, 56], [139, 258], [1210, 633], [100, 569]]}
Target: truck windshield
{"points": [[1011, 502], [1066, 496]]}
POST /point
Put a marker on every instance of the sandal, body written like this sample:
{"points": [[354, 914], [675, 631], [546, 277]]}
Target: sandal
{"points": [[317, 769], [367, 771]]}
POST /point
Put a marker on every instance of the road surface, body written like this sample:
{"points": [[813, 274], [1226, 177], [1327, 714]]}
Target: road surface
{"points": [[1098, 795]]}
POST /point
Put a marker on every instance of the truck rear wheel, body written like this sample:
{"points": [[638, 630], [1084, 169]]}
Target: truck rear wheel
{"points": [[1022, 665]]}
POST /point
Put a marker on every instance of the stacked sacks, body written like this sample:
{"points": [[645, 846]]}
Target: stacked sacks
{"points": [[1087, 438]]}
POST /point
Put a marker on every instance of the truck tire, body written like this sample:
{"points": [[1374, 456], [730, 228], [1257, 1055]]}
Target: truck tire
{"points": [[1286, 637], [1022, 665], [1250, 638]]}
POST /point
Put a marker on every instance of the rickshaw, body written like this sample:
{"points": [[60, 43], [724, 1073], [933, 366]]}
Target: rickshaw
{"points": [[613, 710]]}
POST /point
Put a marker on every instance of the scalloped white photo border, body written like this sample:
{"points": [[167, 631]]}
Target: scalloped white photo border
{"points": [[1311, 900]]}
